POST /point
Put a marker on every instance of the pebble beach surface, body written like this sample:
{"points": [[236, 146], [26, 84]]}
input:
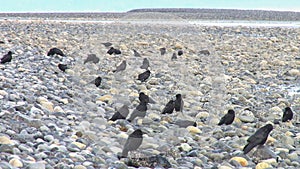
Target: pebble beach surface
{"points": [[54, 119]]}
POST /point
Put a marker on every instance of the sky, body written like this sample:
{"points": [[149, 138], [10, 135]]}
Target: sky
{"points": [[126, 5]]}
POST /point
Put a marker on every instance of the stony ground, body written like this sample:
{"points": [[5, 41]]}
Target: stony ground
{"points": [[54, 119]]}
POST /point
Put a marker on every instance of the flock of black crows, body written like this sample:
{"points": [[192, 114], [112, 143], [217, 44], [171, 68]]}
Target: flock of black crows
{"points": [[135, 138]]}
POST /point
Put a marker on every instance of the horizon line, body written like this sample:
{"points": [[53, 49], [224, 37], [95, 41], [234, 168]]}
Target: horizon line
{"points": [[95, 11]]}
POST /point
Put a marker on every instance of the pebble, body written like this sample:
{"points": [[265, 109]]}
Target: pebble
{"points": [[3, 93], [294, 72], [262, 165], [247, 119], [79, 167], [105, 98], [16, 163], [185, 147], [47, 105], [5, 140], [194, 130], [240, 160], [224, 167], [293, 156], [36, 165], [202, 114], [79, 145]]}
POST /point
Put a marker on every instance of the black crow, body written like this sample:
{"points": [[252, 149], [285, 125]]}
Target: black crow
{"points": [[174, 56], [178, 103], [180, 52], [97, 81], [185, 123], [139, 111], [54, 51], [169, 108], [144, 76], [163, 51], [7, 57], [107, 44], [145, 64], [117, 52], [91, 58], [133, 142], [121, 113], [111, 51], [136, 53], [62, 67], [258, 138], [145, 98], [204, 52], [121, 66], [227, 118], [287, 114]]}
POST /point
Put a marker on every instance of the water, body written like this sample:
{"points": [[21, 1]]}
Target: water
{"points": [[222, 23]]}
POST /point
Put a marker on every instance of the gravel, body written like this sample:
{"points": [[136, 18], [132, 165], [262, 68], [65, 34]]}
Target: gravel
{"points": [[54, 119]]}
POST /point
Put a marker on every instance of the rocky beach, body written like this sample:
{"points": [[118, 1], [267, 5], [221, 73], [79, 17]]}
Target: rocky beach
{"points": [[55, 119]]}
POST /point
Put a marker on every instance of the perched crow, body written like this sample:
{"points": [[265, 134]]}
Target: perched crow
{"points": [[169, 108], [54, 51], [174, 56], [163, 51], [7, 57], [185, 123], [133, 142], [145, 98], [117, 52], [180, 52], [136, 53], [178, 103], [121, 113], [62, 67], [204, 52], [97, 81], [287, 114], [91, 58], [144, 76], [145, 64], [107, 44], [121, 67], [111, 51], [227, 118], [139, 111], [258, 138]]}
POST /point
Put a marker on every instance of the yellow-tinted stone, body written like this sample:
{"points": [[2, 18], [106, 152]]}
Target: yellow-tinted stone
{"points": [[178, 46], [289, 134], [5, 140], [240, 160], [262, 165], [270, 140], [123, 47], [79, 145], [271, 161], [294, 72], [16, 163], [143, 43], [79, 167], [105, 98], [193, 130], [47, 105]]}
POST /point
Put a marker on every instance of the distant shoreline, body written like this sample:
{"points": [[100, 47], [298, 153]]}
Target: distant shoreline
{"points": [[183, 13]]}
